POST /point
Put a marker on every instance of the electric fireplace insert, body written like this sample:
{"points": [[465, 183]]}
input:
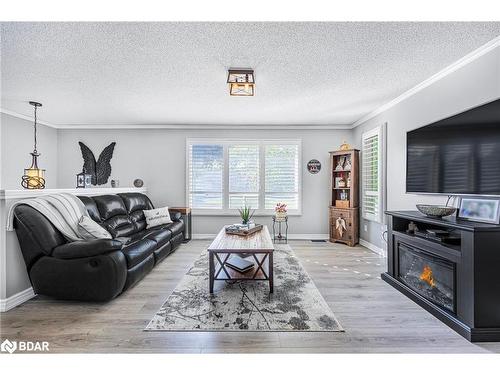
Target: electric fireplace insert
{"points": [[430, 276]]}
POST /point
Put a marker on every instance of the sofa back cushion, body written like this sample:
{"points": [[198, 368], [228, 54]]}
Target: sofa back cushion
{"points": [[121, 214], [113, 215], [136, 203]]}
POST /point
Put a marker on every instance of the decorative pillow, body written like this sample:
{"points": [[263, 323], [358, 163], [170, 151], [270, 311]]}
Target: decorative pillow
{"points": [[157, 216], [90, 230]]}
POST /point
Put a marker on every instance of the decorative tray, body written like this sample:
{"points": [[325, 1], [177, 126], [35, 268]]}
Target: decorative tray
{"points": [[243, 230]]}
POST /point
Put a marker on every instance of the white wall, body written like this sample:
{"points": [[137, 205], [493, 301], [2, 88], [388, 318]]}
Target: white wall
{"points": [[159, 158], [474, 84], [16, 144]]}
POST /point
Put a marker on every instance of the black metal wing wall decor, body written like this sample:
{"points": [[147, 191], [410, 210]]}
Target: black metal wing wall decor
{"points": [[100, 170]]}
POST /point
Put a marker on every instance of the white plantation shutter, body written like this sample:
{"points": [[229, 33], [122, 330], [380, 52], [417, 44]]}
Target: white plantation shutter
{"points": [[205, 176], [371, 173], [243, 161], [282, 175]]}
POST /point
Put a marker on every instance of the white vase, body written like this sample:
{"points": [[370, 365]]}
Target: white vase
{"points": [[280, 215]]}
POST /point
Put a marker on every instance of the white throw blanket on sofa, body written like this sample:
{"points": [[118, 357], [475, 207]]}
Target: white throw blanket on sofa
{"points": [[63, 210]]}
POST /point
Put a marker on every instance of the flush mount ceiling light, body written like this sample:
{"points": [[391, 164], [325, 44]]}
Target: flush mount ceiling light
{"points": [[241, 82]]}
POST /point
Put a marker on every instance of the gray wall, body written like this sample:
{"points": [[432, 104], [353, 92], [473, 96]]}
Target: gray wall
{"points": [[16, 144], [474, 84], [159, 158]]}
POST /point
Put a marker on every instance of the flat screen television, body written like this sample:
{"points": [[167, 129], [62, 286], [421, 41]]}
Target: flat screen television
{"points": [[459, 155]]}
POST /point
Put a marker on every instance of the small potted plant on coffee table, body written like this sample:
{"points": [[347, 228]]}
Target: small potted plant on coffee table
{"points": [[246, 213]]}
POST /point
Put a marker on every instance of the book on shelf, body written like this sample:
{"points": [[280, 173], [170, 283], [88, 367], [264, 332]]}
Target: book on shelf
{"points": [[239, 264]]}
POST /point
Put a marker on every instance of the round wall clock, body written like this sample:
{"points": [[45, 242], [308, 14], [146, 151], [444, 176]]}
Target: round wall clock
{"points": [[313, 166]]}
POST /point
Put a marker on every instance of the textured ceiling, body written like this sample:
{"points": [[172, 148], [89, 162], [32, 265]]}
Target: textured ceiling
{"points": [[175, 73]]}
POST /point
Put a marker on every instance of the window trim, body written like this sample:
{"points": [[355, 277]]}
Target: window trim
{"points": [[378, 131], [225, 188]]}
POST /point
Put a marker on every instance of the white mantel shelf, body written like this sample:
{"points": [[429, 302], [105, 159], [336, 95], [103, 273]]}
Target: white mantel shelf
{"points": [[27, 193]]}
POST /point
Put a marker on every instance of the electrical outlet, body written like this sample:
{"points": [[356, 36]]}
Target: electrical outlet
{"points": [[365, 227]]}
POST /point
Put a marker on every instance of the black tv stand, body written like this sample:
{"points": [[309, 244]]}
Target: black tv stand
{"points": [[458, 282]]}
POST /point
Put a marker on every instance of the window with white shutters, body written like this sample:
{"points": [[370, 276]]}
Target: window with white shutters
{"points": [[243, 169], [224, 175], [282, 175], [206, 176], [371, 173]]}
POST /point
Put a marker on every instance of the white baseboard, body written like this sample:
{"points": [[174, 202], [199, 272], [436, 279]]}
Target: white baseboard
{"points": [[372, 247], [15, 300], [294, 236]]}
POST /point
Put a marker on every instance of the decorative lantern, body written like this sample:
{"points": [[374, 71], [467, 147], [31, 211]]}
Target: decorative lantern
{"points": [[241, 82], [34, 177], [83, 180]]}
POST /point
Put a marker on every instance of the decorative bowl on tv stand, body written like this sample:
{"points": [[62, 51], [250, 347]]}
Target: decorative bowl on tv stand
{"points": [[435, 210]]}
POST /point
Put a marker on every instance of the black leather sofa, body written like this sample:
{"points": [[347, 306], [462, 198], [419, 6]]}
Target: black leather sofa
{"points": [[95, 270]]}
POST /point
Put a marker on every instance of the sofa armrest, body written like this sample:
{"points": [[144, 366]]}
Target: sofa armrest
{"points": [[85, 249], [175, 216]]}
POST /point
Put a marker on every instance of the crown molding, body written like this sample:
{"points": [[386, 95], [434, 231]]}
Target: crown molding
{"points": [[207, 127], [467, 59], [179, 126], [28, 118]]}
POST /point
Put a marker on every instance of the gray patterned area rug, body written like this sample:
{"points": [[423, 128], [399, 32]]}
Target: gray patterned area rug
{"points": [[295, 305]]}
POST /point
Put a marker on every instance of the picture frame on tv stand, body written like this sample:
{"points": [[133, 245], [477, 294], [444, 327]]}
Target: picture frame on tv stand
{"points": [[484, 210]]}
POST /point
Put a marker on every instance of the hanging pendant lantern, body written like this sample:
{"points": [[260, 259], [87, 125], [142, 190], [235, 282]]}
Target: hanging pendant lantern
{"points": [[34, 177]]}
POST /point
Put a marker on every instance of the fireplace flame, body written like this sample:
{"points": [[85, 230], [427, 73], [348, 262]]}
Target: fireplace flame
{"points": [[426, 276]]}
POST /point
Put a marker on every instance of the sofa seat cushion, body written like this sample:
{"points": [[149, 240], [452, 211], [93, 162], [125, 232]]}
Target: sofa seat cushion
{"points": [[135, 252], [160, 236], [176, 227]]}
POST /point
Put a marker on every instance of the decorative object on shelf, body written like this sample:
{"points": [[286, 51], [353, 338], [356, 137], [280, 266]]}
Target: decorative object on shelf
{"points": [[313, 166], [342, 203], [347, 164], [412, 228], [480, 209], [348, 182], [340, 226], [345, 146], [280, 211], [340, 164], [246, 214], [100, 170], [34, 177], [342, 182], [241, 82], [278, 235], [115, 183], [83, 180], [138, 183], [435, 210]]}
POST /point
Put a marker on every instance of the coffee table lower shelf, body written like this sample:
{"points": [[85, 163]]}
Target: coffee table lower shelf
{"points": [[219, 271]]}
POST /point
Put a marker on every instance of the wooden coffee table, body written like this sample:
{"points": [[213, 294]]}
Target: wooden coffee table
{"points": [[258, 245]]}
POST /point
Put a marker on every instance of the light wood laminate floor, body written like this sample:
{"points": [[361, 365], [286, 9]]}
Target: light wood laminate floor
{"points": [[376, 317]]}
